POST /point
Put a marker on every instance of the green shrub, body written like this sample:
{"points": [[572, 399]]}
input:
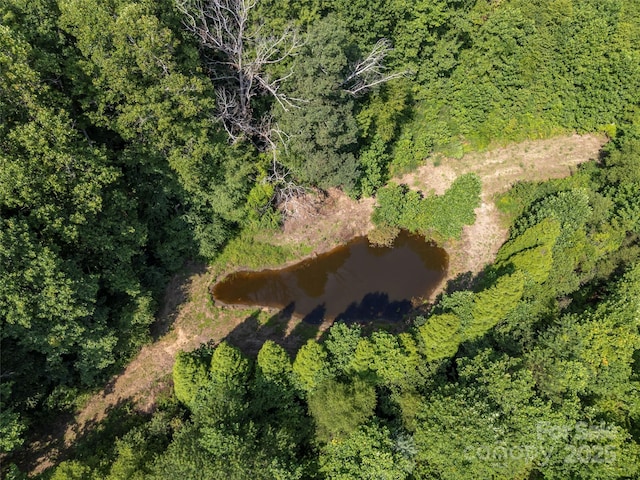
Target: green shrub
{"points": [[373, 164], [383, 235], [494, 304], [190, 373], [438, 217]]}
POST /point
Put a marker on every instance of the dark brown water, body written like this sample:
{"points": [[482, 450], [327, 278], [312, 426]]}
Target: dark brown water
{"points": [[353, 282]]}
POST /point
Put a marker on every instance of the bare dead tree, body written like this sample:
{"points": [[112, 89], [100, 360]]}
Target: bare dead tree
{"points": [[285, 189], [237, 57], [370, 71]]}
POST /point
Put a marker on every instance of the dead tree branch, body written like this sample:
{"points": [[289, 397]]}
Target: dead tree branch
{"points": [[285, 189], [370, 71], [237, 56]]}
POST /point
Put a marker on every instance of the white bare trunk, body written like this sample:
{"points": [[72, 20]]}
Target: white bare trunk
{"points": [[237, 57], [370, 71]]}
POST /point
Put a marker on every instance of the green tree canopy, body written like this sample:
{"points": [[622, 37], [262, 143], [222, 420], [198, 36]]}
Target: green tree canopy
{"points": [[340, 408]]}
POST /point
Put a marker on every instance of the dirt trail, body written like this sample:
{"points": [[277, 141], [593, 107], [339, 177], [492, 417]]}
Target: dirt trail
{"points": [[188, 319], [147, 375]]}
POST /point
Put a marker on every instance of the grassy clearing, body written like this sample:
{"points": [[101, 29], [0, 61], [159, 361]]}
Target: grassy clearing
{"points": [[499, 169], [253, 250]]}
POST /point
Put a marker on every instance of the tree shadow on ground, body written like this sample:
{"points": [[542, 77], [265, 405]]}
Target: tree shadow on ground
{"points": [[282, 327], [96, 439], [175, 294], [466, 281], [48, 444], [463, 281]]}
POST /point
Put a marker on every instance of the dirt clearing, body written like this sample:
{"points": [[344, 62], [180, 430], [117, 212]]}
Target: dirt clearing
{"points": [[325, 222]]}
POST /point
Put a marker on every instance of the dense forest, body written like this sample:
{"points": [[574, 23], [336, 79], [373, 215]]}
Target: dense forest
{"points": [[137, 135]]}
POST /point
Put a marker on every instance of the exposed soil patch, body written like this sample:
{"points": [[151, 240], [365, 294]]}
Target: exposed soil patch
{"points": [[189, 318], [325, 222], [499, 169]]}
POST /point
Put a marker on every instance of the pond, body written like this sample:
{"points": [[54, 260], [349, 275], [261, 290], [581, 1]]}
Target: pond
{"points": [[356, 281]]}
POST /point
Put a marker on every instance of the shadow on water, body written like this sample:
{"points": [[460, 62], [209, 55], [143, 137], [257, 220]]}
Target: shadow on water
{"points": [[355, 283], [291, 331], [283, 315], [315, 316], [375, 306]]}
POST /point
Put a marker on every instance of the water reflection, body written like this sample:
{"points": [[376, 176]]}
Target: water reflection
{"points": [[312, 274], [353, 282]]}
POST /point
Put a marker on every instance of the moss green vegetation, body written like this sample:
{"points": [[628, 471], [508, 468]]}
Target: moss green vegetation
{"points": [[129, 145], [247, 250]]}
